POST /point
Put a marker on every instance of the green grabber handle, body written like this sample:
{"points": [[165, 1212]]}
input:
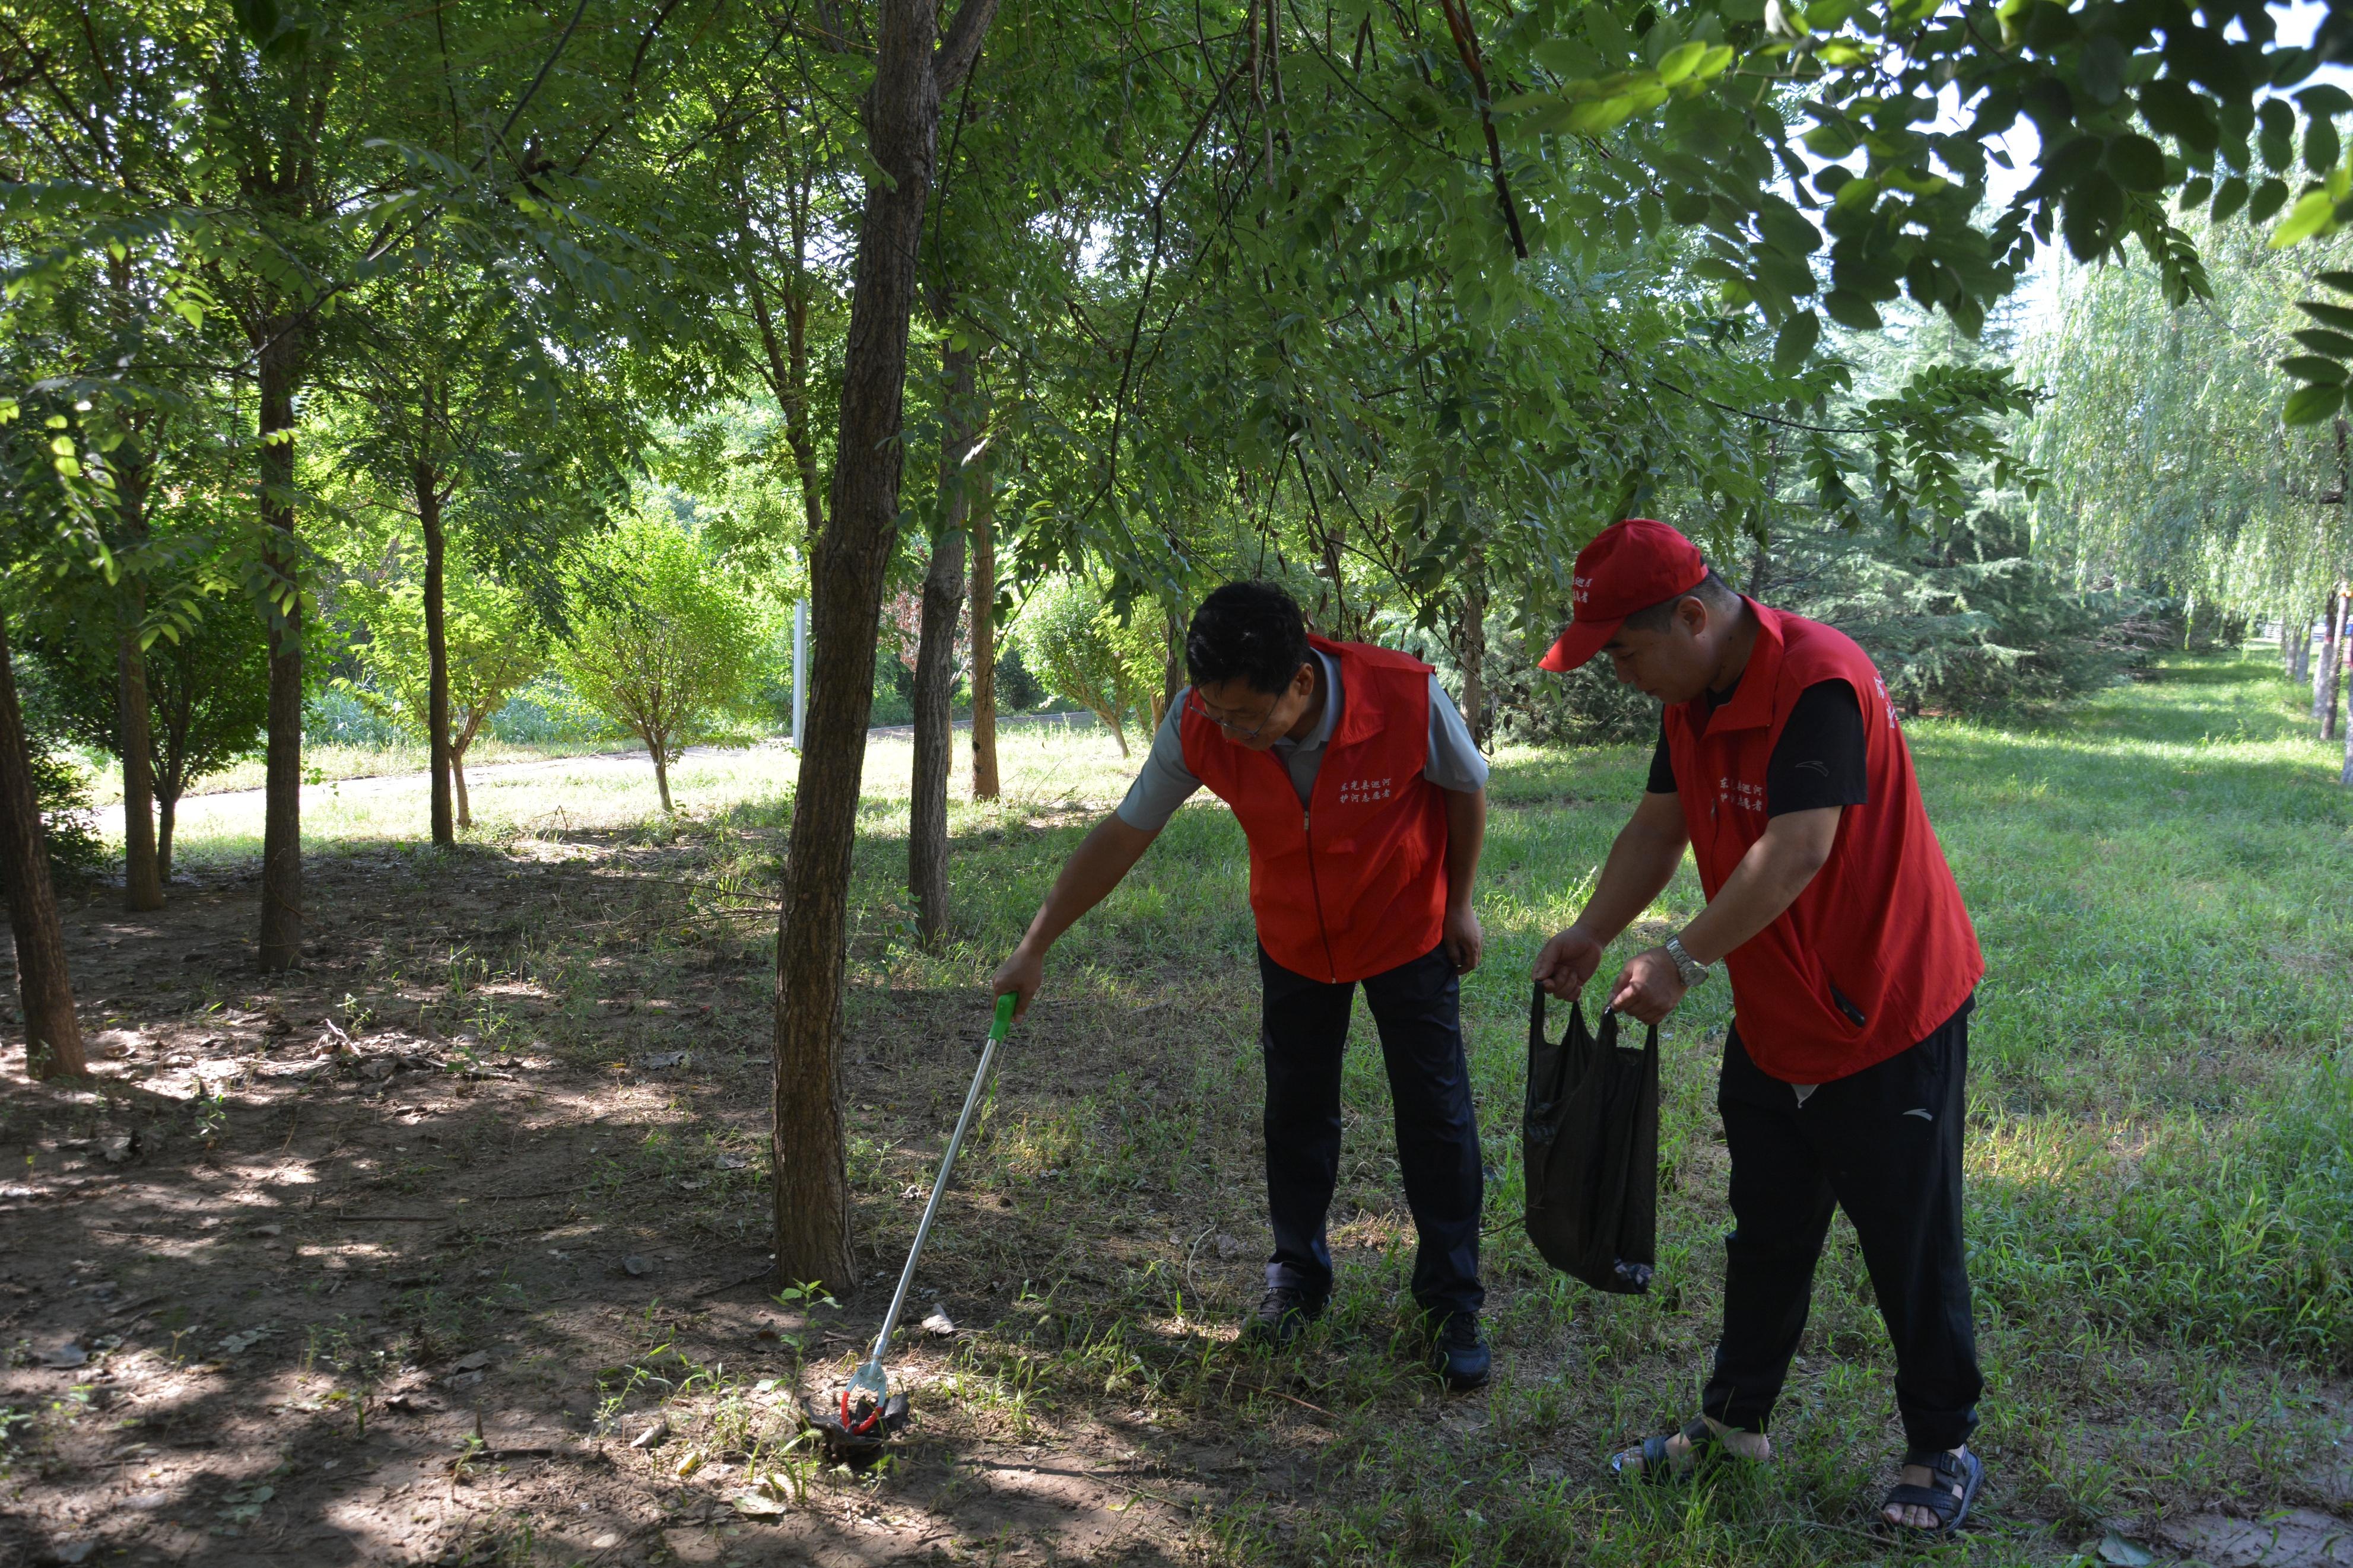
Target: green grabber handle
{"points": [[869, 1378]]}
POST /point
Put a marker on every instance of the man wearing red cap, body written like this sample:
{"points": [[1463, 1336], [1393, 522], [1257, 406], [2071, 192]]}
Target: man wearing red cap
{"points": [[1853, 966], [1363, 802]]}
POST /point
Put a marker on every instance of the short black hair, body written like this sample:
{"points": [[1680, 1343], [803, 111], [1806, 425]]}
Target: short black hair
{"points": [[1711, 590], [1247, 631]]}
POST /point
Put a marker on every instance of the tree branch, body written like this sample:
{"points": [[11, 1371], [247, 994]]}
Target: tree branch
{"points": [[961, 46]]}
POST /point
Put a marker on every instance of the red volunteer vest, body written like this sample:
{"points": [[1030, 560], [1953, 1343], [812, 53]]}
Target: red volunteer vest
{"points": [[1878, 951], [1355, 883]]}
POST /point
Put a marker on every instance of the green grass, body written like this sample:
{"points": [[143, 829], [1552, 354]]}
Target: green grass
{"points": [[2161, 1192], [2160, 1189]]}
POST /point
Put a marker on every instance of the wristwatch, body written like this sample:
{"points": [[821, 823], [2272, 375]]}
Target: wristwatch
{"points": [[1691, 970]]}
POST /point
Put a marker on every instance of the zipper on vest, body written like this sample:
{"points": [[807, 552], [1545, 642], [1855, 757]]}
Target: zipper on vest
{"points": [[1315, 891]]}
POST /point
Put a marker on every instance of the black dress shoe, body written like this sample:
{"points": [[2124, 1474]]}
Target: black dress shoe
{"points": [[1281, 1314]]}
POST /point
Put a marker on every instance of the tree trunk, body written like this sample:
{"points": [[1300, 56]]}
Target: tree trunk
{"points": [[437, 650], [1172, 662], [2328, 650], [135, 472], [1471, 649], [984, 634], [847, 563], [2345, 774], [2299, 653], [44, 988], [458, 768], [2338, 647], [282, 828], [167, 806], [142, 883], [927, 809], [661, 778]]}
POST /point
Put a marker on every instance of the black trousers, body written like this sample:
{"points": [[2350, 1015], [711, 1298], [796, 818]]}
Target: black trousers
{"points": [[1883, 1144], [1303, 1029]]}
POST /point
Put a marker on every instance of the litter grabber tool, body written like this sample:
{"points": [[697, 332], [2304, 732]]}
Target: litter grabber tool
{"points": [[865, 1414]]}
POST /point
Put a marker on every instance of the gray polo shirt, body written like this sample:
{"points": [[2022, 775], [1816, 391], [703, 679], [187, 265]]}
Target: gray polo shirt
{"points": [[1166, 782]]}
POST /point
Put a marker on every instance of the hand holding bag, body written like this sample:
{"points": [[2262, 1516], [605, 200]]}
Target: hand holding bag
{"points": [[1589, 1138]]}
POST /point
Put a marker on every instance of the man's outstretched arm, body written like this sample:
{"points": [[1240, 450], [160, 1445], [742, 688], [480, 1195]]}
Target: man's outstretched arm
{"points": [[1641, 863], [1107, 854]]}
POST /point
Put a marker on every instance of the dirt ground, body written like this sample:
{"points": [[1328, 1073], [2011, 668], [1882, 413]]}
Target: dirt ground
{"points": [[398, 1259]]}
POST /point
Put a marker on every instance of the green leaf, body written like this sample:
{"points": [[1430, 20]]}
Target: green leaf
{"points": [[2100, 70], [2138, 163], [1680, 61], [1832, 139], [1687, 207], [1848, 308], [2313, 213], [1788, 231], [2230, 198], [2321, 341], [2194, 192], [1795, 343], [1600, 114], [2311, 404], [2277, 140], [2327, 314], [2340, 281], [2320, 148], [2312, 367], [2269, 197]]}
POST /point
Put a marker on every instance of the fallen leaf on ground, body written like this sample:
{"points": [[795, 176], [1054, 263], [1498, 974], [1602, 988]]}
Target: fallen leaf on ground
{"points": [[752, 1505]]}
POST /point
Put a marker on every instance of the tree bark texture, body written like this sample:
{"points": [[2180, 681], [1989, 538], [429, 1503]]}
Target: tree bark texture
{"points": [[44, 988], [984, 635], [282, 822], [848, 564], [436, 651], [927, 808], [2299, 652]]}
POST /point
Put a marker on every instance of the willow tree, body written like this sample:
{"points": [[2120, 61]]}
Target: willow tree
{"points": [[2170, 465]]}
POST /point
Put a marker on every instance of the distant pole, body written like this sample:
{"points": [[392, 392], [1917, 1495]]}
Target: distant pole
{"points": [[800, 669]]}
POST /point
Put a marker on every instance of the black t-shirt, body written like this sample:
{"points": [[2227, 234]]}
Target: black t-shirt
{"points": [[1818, 761]]}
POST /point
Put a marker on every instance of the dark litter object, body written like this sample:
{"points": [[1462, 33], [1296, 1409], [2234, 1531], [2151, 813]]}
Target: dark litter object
{"points": [[853, 1432], [1590, 1145]]}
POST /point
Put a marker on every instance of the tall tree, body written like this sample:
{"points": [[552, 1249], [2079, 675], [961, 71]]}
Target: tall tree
{"points": [[913, 66], [983, 520], [44, 989], [943, 594]]}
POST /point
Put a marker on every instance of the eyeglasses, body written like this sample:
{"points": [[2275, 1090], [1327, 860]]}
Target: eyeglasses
{"points": [[1193, 706]]}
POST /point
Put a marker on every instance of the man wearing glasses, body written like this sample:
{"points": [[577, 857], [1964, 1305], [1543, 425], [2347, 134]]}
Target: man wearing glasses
{"points": [[1365, 801]]}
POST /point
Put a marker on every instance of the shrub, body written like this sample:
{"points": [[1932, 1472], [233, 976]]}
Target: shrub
{"points": [[663, 643], [1073, 640]]}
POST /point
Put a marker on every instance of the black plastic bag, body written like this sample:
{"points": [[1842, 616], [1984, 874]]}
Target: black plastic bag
{"points": [[1589, 1140]]}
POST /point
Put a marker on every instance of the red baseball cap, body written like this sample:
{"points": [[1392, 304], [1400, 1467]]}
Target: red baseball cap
{"points": [[1628, 567]]}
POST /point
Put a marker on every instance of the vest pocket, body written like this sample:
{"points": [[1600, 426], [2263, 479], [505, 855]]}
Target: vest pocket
{"points": [[1845, 1005]]}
